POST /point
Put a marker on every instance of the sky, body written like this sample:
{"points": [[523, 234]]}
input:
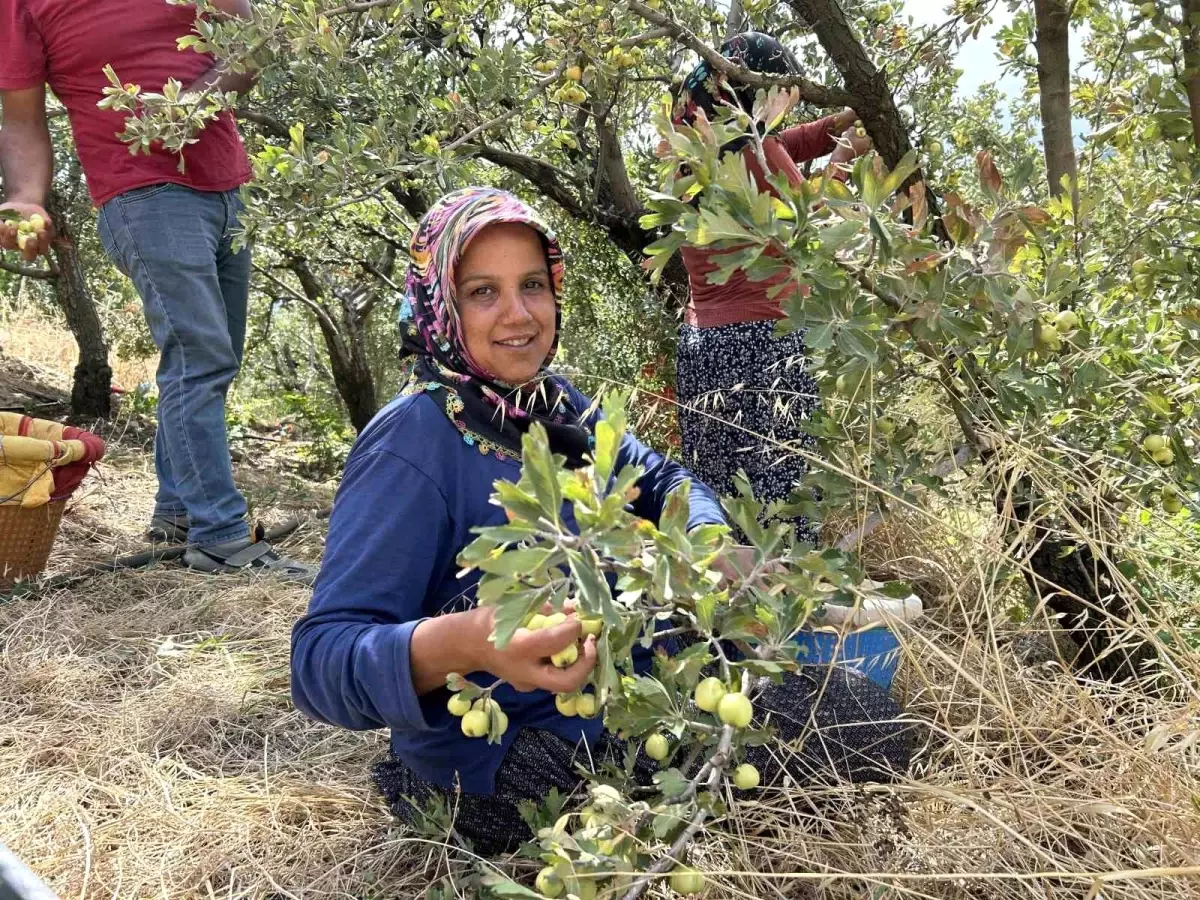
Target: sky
{"points": [[979, 59]]}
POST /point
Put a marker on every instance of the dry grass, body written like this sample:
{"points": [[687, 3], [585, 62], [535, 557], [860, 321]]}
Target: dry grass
{"points": [[148, 748], [46, 345]]}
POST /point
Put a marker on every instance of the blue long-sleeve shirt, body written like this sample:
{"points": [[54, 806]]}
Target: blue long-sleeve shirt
{"points": [[411, 493]]}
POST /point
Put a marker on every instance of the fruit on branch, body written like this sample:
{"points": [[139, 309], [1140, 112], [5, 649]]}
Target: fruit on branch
{"points": [[567, 704], [1164, 457], [591, 626], [709, 693], [735, 709], [475, 723], [1066, 321], [686, 881], [566, 657], [586, 707], [1153, 443], [657, 747], [746, 777], [549, 883], [458, 705]]}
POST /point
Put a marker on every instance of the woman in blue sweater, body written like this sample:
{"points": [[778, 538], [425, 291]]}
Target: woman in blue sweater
{"points": [[390, 618]]}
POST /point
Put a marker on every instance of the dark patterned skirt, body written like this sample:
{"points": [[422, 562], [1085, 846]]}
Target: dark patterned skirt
{"points": [[831, 725], [744, 395]]}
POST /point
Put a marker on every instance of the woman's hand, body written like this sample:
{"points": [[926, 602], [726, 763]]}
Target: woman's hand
{"points": [[739, 562], [525, 662]]}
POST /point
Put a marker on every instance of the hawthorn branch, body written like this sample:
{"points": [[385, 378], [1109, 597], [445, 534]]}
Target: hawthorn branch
{"points": [[810, 91], [539, 88], [41, 274], [710, 774], [851, 540]]}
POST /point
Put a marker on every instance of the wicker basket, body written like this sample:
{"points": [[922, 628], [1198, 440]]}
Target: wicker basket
{"points": [[26, 538], [41, 465]]}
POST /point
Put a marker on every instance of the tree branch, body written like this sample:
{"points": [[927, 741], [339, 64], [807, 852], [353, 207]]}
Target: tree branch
{"points": [[277, 127], [46, 274], [545, 177], [851, 540], [810, 91]]}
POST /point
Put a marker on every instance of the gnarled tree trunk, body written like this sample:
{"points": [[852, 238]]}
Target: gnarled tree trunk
{"points": [[91, 392]]}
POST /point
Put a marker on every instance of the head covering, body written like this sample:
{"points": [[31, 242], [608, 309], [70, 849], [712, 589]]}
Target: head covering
{"points": [[490, 415], [707, 90]]}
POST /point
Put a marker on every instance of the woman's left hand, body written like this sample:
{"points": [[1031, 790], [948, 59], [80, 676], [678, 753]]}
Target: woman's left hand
{"points": [[738, 563]]}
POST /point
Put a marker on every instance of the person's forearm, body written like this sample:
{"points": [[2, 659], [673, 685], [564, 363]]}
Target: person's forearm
{"points": [[27, 162], [224, 81], [457, 642]]}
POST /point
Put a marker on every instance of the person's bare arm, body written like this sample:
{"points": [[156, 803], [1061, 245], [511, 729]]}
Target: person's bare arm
{"points": [[27, 161], [239, 8], [458, 642], [224, 80]]}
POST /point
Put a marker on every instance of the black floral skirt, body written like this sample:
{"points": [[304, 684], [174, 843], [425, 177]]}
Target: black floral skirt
{"points": [[831, 725], [744, 395]]}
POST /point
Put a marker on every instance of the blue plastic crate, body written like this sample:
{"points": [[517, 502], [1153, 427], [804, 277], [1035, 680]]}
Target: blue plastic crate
{"points": [[874, 652]]}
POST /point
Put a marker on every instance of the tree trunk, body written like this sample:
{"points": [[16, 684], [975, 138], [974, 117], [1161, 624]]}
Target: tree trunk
{"points": [[1054, 89], [91, 392], [873, 100], [347, 351], [735, 21], [1084, 593], [1190, 30]]}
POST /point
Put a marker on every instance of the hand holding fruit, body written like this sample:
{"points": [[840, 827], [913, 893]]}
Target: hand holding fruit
{"points": [[547, 657], [26, 227]]}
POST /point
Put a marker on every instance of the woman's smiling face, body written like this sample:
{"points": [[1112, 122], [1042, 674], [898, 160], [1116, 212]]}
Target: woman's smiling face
{"points": [[506, 302]]}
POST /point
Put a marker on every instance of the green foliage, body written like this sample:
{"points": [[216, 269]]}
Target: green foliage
{"points": [[664, 578]]}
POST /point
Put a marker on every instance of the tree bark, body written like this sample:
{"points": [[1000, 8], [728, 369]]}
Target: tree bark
{"points": [[1190, 32], [735, 21], [873, 99], [1053, 19], [91, 391], [347, 350]]}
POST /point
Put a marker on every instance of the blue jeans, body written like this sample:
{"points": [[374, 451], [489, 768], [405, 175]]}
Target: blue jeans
{"points": [[174, 243]]}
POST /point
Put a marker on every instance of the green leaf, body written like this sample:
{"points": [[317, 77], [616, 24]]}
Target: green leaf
{"points": [[539, 470], [670, 782], [530, 560], [503, 888]]}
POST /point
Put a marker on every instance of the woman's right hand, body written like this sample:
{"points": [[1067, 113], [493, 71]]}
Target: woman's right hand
{"points": [[525, 662]]}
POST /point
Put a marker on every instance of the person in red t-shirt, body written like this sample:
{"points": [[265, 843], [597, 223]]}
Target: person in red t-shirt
{"points": [[744, 393], [170, 231]]}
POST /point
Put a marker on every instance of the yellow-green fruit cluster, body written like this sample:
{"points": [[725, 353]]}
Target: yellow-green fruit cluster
{"points": [[1159, 448], [29, 229], [1171, 501], [477, 717], [582, 705]]}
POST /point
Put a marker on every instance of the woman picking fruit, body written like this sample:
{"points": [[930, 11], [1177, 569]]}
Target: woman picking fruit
{"points": [[390, 619], [743, 391]]}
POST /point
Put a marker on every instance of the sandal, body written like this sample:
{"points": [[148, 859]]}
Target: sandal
{"points": [[165, 530], [256, 558]]}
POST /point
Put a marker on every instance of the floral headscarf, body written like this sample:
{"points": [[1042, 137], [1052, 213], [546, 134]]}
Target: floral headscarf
{"points": [[705, 89], [491, 415]]}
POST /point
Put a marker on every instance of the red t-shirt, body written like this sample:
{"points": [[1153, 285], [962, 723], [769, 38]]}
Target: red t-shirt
{"points": [[739, 299], [67, 43]]}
